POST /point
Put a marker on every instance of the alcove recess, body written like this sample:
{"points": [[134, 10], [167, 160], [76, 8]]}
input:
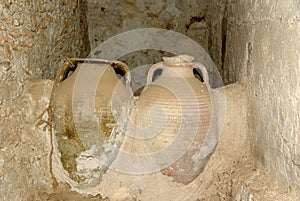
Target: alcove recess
{"points": [[254, 44]]}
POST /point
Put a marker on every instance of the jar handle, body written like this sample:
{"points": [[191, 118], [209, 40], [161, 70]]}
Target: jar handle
{"points": [[204, 72], [152, 70], [118, 65]]}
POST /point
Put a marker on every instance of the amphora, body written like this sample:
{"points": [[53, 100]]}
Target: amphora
{"points": [[173, 115], [87, 119]]}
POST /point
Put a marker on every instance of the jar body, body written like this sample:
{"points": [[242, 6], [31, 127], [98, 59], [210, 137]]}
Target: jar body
{"points": [[84, 120], [176, 108]]}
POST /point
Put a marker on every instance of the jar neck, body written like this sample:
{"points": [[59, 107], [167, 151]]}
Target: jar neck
{"points": [[177, 70]]}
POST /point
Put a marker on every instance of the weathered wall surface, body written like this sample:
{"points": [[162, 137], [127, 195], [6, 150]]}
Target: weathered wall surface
{"points": [[34, 37], [263, 52], [24, 153], [216, 20], [108, 18]]}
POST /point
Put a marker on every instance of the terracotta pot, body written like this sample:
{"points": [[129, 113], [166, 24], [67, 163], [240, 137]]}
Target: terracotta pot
{"points": [[86, 118], [173, 114]]}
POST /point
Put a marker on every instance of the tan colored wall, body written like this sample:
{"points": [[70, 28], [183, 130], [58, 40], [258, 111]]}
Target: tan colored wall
{"points": [[108, 18], [263, 52], [34, 37]]}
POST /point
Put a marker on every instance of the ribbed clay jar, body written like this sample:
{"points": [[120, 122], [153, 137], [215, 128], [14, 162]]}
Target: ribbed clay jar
{"points": [[174, 111], [86, 118]]}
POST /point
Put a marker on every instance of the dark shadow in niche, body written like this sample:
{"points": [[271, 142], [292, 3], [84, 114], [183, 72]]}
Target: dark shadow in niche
{"points": [[194, 19], [223, 47], [86, 46], [224, 33]]}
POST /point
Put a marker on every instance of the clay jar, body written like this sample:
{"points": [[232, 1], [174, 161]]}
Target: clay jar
{"points": [[85, 116], [173, 114]]}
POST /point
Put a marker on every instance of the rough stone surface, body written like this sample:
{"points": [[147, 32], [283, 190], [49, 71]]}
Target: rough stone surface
{"points": [[217, 33], [25, 147], [254, 184], [34, 37], [263, 51], [109, 18]]}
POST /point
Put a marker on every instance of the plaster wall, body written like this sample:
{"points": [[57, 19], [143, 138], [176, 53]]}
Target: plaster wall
{"points": [[262, 50]]}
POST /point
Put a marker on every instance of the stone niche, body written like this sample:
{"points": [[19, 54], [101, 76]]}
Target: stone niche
{"points": [[254, 44]]}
